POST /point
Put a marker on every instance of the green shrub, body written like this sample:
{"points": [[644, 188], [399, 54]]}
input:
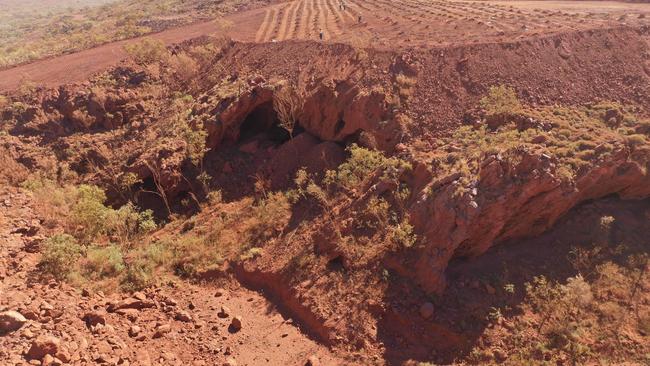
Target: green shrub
{"points": [[60, 255], [102, 262], [138, 275], [192, 255], [147, 51], [500, 100], [89, 215], [363, 162], [127, 222], [402, 235], [270, 216]]}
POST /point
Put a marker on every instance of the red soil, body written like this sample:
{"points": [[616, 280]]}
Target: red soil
{"points": [[385, 25]]}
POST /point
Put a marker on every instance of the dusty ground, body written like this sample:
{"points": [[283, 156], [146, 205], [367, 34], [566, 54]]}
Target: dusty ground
{"points": [[384, 25], [204, 338]]}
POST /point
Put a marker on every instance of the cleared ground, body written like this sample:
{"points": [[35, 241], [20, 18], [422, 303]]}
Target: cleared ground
{"points": [[390, 24], [384, 24]]}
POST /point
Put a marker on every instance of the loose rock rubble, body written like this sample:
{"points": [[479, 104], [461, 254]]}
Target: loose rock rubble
{"points": [[51, 323]]}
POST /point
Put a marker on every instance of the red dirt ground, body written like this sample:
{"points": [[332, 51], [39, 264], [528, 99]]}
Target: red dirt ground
{"points": [[385, 25], [267, 336]]}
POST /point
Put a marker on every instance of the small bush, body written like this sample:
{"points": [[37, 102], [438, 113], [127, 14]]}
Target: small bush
{"points": [[215, 197], [270, 216], [147, 51], [288, 104], [500, 100], [102, 262], [138, 275], [89, 215], [402, 235], [362, 163], [635, 140], [405, 85], [184, 67], [60, 255], [126, 222]]}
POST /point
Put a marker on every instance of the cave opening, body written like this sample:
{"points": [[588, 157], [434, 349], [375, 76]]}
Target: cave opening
{"points": [[263, 122]]}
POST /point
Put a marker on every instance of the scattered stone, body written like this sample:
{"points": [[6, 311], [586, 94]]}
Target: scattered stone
{"points": [[43, 345], [48, 360], [500, 355], [30, 314], [235, 323], [224, 312], [312, 361], [220, 292], [28, 334], [230, 362], [131, 314], [142, 358], [140, 296], [162, 330], [183, 316], [11, 321], [426, 310], [63, 356], [93, 318], [131, 303], [134, 330], [171, 302]]}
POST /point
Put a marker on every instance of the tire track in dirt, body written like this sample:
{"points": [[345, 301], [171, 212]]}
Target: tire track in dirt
{"points": [[278, 22], [348, 12], [322, 20], [263, 29], [335, 16], [288, 17], [313, 20], [272, 25], [303, 20], [295, 19], [330, 19], [335, 10]]}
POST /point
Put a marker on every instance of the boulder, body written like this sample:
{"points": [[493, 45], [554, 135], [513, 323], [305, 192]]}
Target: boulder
{"points": [[92, 318], [236, 324], [426, 310], [224, 312], [43, 345], [11, 321]]}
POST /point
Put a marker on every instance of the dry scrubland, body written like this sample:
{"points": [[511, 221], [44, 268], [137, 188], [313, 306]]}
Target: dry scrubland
{"points": [[214, 203], [33, 30]]}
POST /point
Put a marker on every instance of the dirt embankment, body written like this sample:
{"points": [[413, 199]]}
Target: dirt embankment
{"points": [[570, 68]]}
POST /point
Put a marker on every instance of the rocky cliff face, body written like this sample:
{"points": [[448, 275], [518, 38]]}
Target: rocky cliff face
{"points": [[513, 201]]}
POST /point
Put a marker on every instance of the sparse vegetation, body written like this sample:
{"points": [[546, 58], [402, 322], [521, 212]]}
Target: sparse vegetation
{"points": [[288, 104], [148, 51], [32, 31], [60, 255]]}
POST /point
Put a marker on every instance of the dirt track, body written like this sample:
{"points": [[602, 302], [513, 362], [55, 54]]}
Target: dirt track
{"points": [[384, 24]]}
